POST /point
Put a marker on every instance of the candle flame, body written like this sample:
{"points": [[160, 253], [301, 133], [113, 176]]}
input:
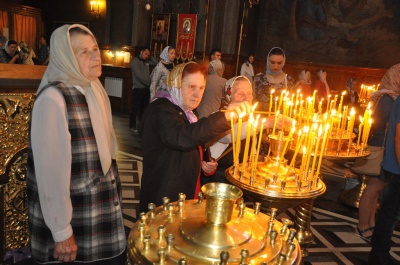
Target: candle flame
{"points": [[272, 91], [264, 120], [254, 106]]}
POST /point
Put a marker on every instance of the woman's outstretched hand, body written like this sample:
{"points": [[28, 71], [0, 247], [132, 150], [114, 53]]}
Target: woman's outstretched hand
{"points": [[237, 109]]}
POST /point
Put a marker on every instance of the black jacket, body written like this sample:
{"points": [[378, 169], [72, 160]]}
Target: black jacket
{"points": [[171, 157]]}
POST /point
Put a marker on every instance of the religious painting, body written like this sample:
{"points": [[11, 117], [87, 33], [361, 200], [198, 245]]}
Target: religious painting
{"points": [[186, 36], [341, 32], [159, 33]]}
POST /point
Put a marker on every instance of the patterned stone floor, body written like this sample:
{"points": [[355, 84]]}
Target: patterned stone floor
{"points": [[332, 223]]}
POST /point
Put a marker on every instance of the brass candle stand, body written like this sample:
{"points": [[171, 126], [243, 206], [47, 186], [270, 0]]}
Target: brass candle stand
{"points": [[221, 230], [277, 185]]}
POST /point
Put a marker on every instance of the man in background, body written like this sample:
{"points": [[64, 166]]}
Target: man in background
{"points": [[43, 54], [141, 86], [215, 54]]}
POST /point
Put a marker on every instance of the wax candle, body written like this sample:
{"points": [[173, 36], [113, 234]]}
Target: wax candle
{"points": [[322, 150], [341, 101], [253, 144], [281, 99], [288, 139], [239, 134], [328, 101], [260, 138], [359, 131], [246, 146], [316, 151], [270, 102], [298, 145], [275, 121], [233, 139]]}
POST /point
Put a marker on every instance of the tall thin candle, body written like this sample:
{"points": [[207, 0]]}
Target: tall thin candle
{"points": [[233, 140]]}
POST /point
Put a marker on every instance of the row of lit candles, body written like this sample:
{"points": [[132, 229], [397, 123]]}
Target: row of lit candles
{"points": [[366, 91], [310, 134], [93, 4]]}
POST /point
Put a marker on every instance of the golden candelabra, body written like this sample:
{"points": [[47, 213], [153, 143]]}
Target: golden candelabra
{"points": [[221, 230], [315, 131]]}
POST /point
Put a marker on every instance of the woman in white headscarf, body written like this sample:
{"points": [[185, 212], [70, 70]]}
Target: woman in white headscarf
{"points": [[74, 190], [272, 78], [162, 69], [304, 84], [321, 85]]}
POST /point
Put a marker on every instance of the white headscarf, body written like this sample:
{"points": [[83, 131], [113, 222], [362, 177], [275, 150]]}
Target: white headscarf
{"points": [[64, 67], [164, 55], [320, 76]]}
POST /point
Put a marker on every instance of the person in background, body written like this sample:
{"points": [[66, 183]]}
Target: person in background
{"points": [[389, 213], [141, 86], [214, 90], [215, 54], [322, 87], [350, 98], [26, 54], [162, 69], [247, 69], [304, 84], [173, 137], [272, 78], [73, 185], [43, 51], [10, 53]]}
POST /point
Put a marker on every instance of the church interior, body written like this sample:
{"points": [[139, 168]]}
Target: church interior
{"points": [[347, 39]]}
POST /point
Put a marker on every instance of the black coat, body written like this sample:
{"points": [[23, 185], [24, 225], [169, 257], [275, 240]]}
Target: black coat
{"points": [[171, 157]]}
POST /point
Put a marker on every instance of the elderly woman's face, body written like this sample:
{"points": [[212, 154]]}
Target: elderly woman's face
{"points": [[87, 54], [171, 55], [192, 90], [241, 91], [276, 62]]}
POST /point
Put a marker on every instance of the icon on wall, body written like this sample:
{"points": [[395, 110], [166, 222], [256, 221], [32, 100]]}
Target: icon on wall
{"points": [[159, 33]]}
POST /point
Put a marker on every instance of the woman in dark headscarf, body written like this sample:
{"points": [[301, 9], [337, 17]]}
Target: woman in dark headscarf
{"points": [[272, 78], [10, 53], [162, 69], [173, 138]]}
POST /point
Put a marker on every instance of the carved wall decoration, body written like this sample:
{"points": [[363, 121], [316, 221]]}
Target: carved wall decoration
{"points": [[15, 112]]}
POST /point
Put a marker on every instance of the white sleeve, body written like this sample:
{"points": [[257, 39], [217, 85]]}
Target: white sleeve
{"points": [[51, 148]]}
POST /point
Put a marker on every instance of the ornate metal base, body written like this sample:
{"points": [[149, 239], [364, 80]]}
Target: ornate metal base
{"points": [[352, 197], [304, 234]]}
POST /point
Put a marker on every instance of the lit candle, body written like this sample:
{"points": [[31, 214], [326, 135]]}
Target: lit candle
{"points": [[328, 101], [253, 144], [298, 145], [260, 138], [341, 101], [91, 6], [288, 139], [275, 121], [359, 131], [322, 150], [98, 7], [310, 148], [316, 151], [276, 104], [233, 139], [314, 98], [281, 98], [270, 102], [350, 127], [246, 146], [239, 134]]}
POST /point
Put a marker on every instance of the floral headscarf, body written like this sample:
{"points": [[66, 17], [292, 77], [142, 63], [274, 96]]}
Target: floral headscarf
{"points": [[164, 55], [390, 84], [173, 93], [215, 66]]}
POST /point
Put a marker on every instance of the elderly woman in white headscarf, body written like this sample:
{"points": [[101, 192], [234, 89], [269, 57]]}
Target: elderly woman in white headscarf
{"points": [[162, 69], [74, 190], [214, 90]]}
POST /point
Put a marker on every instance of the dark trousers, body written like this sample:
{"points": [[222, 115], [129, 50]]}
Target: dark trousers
{"points": [[140, 100], [388, 217]]}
